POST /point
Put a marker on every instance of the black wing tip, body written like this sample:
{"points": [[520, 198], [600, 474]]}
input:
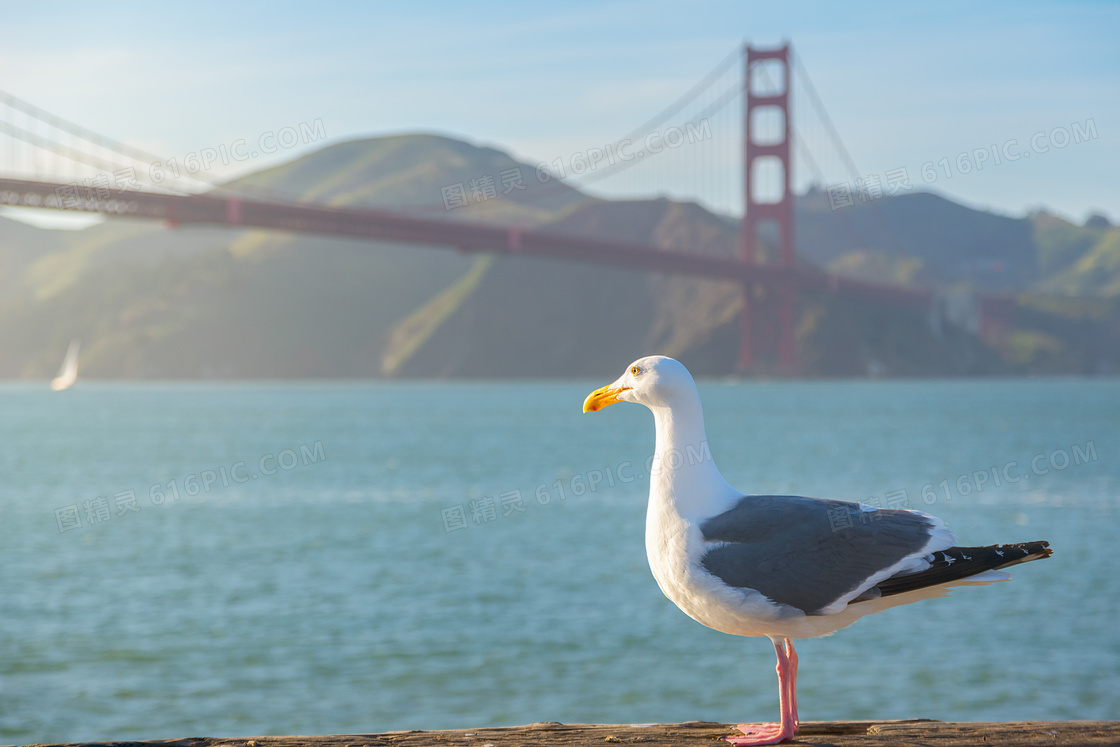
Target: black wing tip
{"points": [[959, 563], [1002, 556], [1036, 550]]}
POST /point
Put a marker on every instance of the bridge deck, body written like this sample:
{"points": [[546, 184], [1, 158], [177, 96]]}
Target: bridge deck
{"points": [[389, 226]]}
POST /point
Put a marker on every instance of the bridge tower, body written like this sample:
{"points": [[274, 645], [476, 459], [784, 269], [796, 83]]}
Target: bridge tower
{"points": [[771, 213]]}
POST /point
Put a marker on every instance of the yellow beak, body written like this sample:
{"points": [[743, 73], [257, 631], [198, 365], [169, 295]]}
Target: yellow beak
{"points": [[602, 397]]}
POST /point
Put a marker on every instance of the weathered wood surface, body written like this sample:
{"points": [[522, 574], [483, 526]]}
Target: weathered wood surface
{"points": [[820, 733]]}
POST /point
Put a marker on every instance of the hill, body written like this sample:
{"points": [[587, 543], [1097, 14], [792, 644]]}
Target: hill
{"points": [[149, 302]]}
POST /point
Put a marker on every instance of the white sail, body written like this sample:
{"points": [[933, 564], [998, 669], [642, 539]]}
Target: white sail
{"points": [[68, 374]]}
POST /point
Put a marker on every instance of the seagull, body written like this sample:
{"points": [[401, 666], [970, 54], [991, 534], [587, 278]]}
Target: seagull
{"points": [[779, 566]]}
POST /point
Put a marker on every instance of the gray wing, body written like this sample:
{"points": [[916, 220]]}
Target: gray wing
{"points": [[808, 552]]}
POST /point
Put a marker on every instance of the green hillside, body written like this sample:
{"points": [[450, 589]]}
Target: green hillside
{"points": [[535, 317], [149, 302], [925, 236], [1078, 260]]}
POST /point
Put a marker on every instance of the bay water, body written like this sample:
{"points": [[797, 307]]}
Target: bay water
{"points": [[225, 559]]}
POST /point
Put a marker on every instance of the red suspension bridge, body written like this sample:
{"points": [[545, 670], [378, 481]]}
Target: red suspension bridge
{"points": [[37, 176]]}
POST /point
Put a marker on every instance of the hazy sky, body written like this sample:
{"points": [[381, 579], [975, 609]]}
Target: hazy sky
{"points": [[905, 84]]}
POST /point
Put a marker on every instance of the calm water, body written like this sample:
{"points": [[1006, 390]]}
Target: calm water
{"points": [[338, 595]]}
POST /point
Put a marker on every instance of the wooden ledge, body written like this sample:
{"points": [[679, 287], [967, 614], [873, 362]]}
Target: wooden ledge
{"points": [[818, 733]]}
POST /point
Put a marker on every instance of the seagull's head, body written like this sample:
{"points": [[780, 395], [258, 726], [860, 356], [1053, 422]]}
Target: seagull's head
{"points": [[653, 381]]}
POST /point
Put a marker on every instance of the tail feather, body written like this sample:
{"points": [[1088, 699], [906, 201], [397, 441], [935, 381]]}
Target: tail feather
{"points": [[959, 563]]}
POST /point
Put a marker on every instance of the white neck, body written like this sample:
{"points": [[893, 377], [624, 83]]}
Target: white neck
{"points": [[684, 477]]}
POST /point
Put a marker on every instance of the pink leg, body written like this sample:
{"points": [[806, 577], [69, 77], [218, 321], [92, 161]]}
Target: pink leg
{"points": [[757, 734], [792, 655]]}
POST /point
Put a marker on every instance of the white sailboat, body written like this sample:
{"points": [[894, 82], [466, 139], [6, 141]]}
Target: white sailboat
{"points": [[68, 374]]}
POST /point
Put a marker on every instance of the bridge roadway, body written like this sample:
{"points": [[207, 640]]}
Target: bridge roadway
{"points": [[389, 226]]}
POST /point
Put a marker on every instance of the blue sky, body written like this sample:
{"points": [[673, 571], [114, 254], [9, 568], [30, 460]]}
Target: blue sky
{"points": [[905, 84]]}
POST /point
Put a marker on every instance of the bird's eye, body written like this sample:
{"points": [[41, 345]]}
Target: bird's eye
{"points": [[634, 370]]}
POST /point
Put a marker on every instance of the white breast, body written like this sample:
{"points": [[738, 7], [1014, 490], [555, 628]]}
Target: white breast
{"points": [[674, 548]]}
